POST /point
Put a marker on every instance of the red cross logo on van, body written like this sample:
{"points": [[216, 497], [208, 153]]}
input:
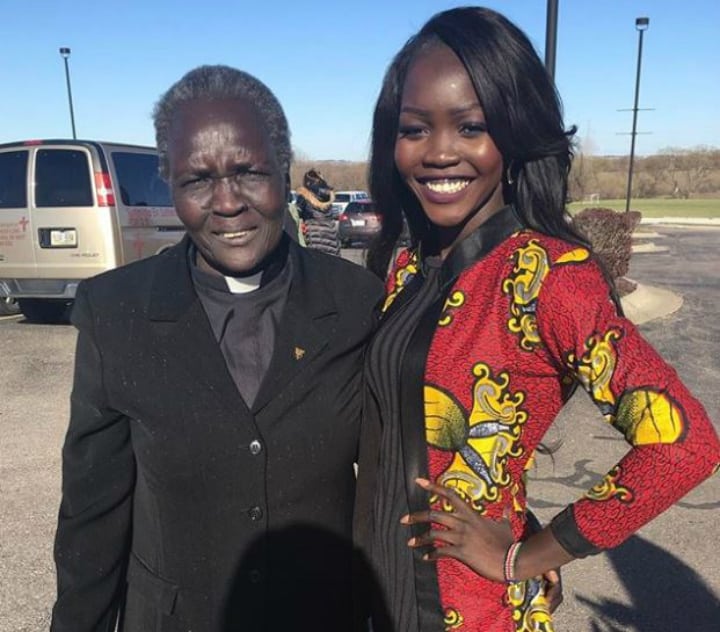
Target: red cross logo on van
{"points": [[24, 222]]}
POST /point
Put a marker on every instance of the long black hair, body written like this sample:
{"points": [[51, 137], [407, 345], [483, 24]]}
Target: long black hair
{"points": [[524, 118]]}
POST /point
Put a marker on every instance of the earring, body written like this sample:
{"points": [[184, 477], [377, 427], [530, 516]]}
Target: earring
{"points": [[508, 174]]}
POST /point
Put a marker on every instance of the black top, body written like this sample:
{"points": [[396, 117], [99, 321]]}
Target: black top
{"points": [[245, 324], [391, 558], [393, 450]]}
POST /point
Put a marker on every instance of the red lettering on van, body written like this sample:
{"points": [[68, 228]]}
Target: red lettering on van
{"points": [[138, 244], [139, 217]]}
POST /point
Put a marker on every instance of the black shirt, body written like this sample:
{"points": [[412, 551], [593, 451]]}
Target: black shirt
{"points": [[244, 314]]}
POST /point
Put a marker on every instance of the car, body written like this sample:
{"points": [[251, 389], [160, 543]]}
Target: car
{"points": [[358, 223], [343, 198], [361, 222]]}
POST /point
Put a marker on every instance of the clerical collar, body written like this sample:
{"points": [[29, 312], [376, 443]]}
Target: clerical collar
{"points": [[242, 285], [260, 276]]}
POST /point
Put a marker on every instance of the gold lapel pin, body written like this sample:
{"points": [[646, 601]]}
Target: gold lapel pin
{"points": [[299, 353]]}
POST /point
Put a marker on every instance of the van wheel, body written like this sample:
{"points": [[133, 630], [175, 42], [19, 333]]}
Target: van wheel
{"points": [[41, 310], [8, 306]]}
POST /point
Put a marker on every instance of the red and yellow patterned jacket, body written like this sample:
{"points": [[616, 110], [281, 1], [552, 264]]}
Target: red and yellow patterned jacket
{"points": [[519, 327]]}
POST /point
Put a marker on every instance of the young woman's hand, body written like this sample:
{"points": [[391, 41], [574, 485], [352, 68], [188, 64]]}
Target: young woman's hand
{"points": [[553, 589], [481, 543], [476, 541]]}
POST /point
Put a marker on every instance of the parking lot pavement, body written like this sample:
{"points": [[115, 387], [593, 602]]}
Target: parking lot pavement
{"points": [[35, 374], [667, 577]]}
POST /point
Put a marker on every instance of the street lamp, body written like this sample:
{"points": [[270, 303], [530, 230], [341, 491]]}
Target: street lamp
{"points": [[641, 24], [551, 20], [65, 53]]}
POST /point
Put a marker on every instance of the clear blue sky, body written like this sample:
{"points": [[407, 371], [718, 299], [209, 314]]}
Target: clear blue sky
{"points": [[325, 61]]}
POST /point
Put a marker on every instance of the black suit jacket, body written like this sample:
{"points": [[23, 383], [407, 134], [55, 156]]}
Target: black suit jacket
{"points": [[183, 509]]}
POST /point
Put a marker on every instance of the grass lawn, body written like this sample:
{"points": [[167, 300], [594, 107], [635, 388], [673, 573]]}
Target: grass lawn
{"points": [[659, 207]]}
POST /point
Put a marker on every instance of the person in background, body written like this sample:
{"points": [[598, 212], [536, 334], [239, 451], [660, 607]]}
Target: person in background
{"points": [[492, 317], [208, 476], [314, 202], [293, 223]]}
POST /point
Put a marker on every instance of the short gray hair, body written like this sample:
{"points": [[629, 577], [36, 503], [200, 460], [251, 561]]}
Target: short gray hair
{"points": [[222, 82]]}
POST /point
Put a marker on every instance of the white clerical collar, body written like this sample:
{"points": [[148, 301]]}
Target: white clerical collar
{"points": [[243, 285]]}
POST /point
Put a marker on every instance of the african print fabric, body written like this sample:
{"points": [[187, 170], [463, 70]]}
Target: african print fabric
{"points": [[519, 328]]}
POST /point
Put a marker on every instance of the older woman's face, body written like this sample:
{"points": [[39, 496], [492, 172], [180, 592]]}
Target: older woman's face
{"points": [[228, 186]]}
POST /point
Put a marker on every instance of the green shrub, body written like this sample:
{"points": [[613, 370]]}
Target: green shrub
{"points": [[610, 234]]}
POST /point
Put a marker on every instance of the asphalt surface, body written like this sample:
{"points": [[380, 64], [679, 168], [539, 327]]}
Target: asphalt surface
{"points": [[666, 577]]}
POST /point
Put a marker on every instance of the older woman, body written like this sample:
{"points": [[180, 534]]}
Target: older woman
{"points": [[207, 469]]}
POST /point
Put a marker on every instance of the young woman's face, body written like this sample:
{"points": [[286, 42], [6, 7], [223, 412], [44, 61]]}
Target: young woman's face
{"points": [[443, 150]]}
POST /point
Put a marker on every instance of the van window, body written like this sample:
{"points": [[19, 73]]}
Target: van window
{"points": [[62, 178], [13, 179], [139, 181], [342, 197]]}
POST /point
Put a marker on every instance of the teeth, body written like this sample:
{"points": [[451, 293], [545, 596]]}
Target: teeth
{"points": [[447, 186], [240, 233]]}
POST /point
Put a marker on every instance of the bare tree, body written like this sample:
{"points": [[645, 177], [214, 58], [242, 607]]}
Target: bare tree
{"points": [[672, 171], [340, 174], [690, 171]]}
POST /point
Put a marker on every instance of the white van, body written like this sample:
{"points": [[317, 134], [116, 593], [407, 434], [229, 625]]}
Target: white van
{"points": [[72, 209]]}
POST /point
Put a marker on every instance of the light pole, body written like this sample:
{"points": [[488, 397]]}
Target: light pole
{"points": [[641, 24], [551, 36], [65, 53]]}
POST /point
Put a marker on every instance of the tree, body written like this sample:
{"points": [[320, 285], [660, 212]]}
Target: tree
{"points": [[690, 170]]}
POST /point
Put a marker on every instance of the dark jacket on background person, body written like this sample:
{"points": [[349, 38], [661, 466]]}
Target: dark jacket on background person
{"points": [[314, 203], [185, 510]]}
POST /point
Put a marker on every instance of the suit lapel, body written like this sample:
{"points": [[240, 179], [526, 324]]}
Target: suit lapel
{"points": [[189, 340], [178, 314], [308, 315]]}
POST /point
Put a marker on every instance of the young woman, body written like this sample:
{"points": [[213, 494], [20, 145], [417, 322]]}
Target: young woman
{"points": [[491, 318]]}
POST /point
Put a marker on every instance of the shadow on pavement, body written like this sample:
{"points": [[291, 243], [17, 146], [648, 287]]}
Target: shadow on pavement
{"points": [[665, 593]]}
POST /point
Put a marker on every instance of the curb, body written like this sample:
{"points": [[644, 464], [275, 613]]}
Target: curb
{"points": [[648, 303], [647, 234], [648, 249], [687, 221]]}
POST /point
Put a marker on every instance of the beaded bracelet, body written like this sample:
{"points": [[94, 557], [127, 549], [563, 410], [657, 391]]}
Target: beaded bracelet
{"points": [[509, 563]]}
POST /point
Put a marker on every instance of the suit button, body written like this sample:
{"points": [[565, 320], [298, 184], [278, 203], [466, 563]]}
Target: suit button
{"points": [[255, 447], [255, 513], [255, 576]]}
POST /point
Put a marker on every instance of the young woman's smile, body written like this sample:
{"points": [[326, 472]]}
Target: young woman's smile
{"points": [[443, 150]]}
